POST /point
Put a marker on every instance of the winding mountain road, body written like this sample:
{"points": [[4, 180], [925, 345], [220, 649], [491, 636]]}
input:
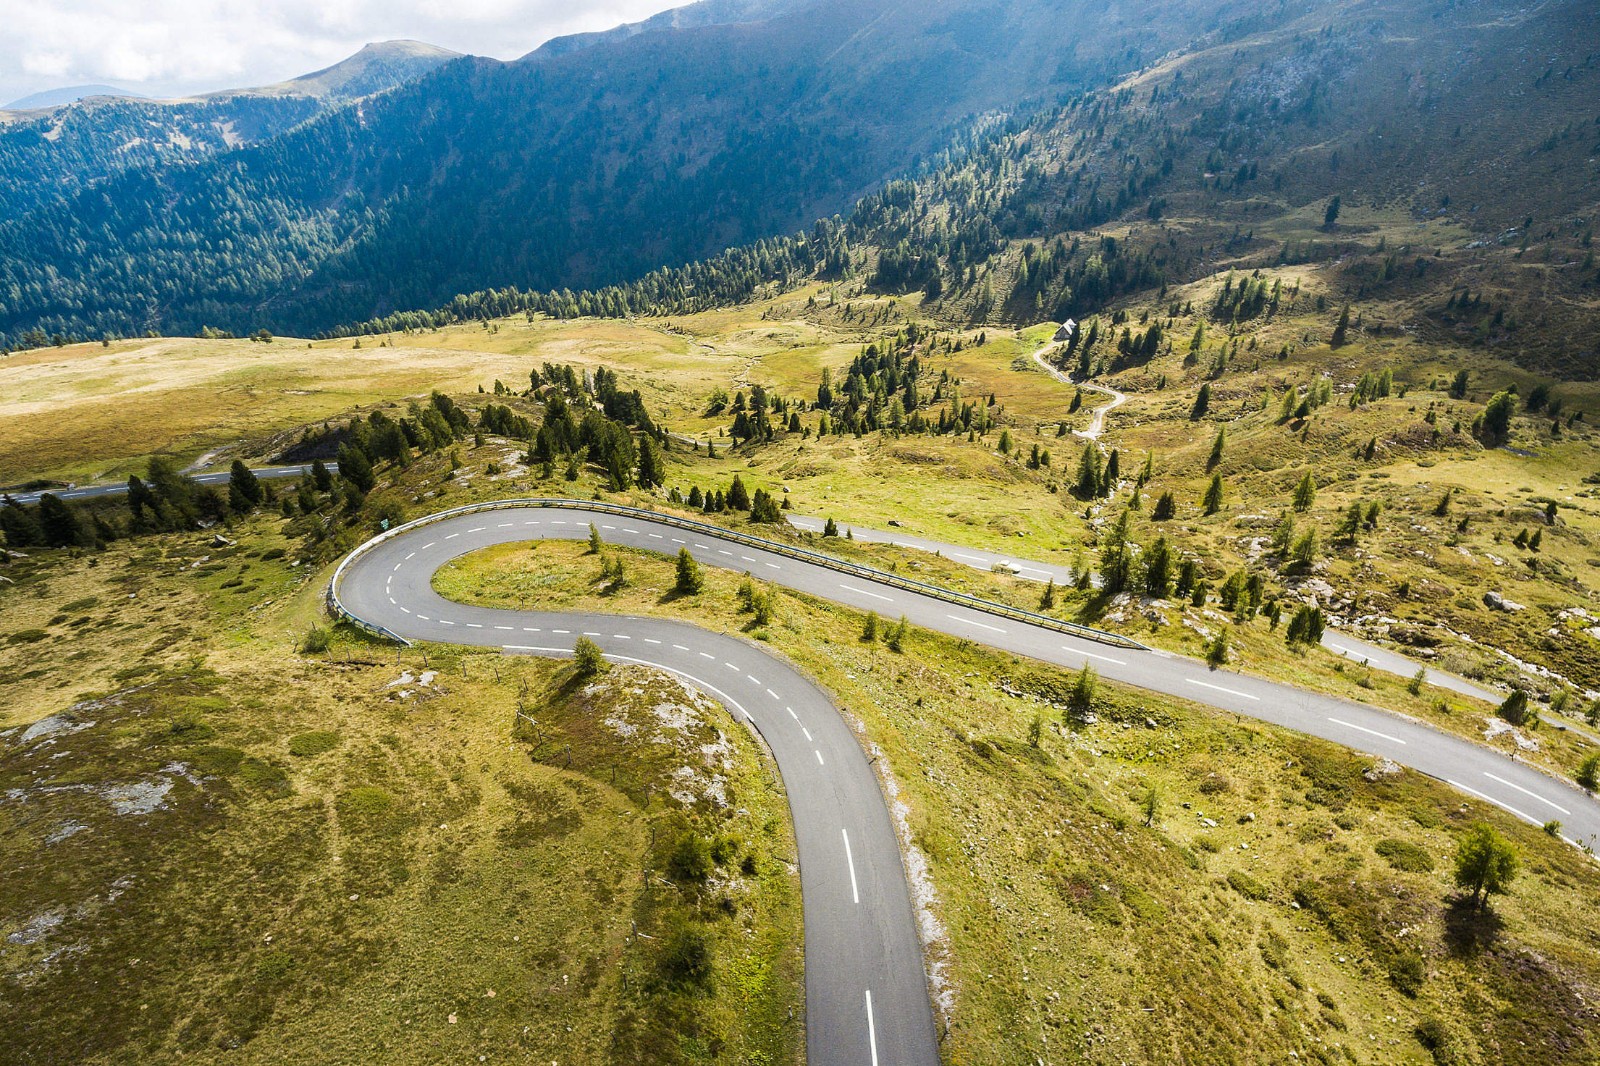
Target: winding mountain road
{"points": [[866, 991], [1097, 418]]}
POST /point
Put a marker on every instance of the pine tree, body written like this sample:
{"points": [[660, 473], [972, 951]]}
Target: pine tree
{"points": [[869, 628], [1084, 688], [1213, 497], [1202, 402], [738, 495], [764, 508], [1090, 476], [1158, 569], [1305, 493], [243, 482], [690, 580], [830, 528], [1217, 447], [1166, 507], [1116, 558], [321, 476], [58, 524], [20, 525], [1486, 864], [355, 469], [587, 658], [1147, 471], [652, 470], [1048, 600], [1341, 330]]}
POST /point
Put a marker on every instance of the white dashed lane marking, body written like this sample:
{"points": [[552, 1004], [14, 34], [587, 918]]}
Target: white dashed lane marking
{"points": [[850, 861], [1364, 729], [864, 592], [1092, 655], [1524, 815], [1525, 792], [1219, 688], [970, 622]]}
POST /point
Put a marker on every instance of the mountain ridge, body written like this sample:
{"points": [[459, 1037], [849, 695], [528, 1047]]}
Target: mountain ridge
{"points": [[47, 153], [576, 169], [69, 94]]}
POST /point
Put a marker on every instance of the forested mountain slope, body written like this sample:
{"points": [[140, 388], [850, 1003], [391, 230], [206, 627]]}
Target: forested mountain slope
{"points": [[577, 166], [1231, 155]]}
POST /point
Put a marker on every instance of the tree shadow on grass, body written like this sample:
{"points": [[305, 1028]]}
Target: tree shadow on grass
{"points": [[1469, 930]]}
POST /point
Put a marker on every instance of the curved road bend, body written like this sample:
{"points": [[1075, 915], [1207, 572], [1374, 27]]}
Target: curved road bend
{"points": [[866, 990]]}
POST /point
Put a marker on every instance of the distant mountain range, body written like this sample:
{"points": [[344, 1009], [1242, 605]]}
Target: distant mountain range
{"points": [[68, 95], [600, 157], [56, 143]]}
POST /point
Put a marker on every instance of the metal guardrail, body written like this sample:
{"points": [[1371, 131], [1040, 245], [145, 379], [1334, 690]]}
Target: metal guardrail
{"points": [[1016, 614]]}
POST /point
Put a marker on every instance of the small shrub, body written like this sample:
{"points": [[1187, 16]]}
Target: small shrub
{"points": [[686, 957], [1247, 886], [690, 861], [724, 849], [1407, 972], [1588, 774], [316, 641], [1440, 1042], [306, 745], [366, 803], [587, 658], [1404, 855]]}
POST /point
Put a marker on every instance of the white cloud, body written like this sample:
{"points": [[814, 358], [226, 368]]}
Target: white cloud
{"points": [[175, 47]]}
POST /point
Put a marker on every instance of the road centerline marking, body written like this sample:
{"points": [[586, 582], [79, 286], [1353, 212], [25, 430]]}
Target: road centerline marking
{"points": [[1524, 815], [1219, 688], [850, 861], [1092, 655], [1526, 792], [1364, 729], [970, 622], [872, 1030]]}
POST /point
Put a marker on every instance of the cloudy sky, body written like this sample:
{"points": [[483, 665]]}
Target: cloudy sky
{"points": [[173, 47]]}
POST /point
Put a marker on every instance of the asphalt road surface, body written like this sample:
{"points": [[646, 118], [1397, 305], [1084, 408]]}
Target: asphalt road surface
{"points": [[865, 985]]}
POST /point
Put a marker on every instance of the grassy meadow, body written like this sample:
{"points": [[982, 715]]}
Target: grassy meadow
{"points": [[315, 854]]}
